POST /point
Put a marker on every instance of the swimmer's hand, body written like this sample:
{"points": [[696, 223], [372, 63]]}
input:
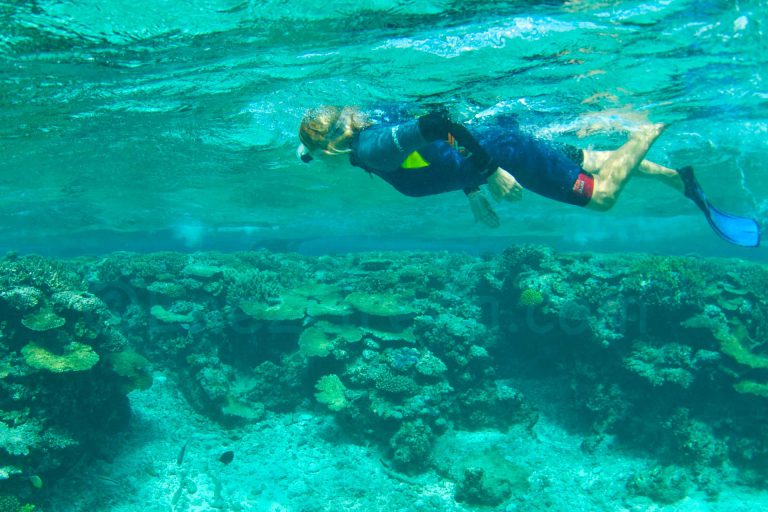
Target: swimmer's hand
{"points": [[482, 209], [504, 186]]}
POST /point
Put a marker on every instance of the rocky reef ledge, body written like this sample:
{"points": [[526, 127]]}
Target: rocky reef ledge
{"points": [[424, 362]]}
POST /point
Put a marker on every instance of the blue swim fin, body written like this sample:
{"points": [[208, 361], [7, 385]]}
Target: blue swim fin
{"points": [[742, 231]]}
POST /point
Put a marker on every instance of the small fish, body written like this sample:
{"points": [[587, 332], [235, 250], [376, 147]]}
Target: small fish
{"points": [[36, 481], [105, 480], [227, 457], [180, 458]]}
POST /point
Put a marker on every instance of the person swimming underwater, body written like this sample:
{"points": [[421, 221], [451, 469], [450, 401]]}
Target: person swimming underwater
{"points": [[433, 155]]}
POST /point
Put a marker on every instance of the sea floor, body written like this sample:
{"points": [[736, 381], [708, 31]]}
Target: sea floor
{"points": [[302, 462]]}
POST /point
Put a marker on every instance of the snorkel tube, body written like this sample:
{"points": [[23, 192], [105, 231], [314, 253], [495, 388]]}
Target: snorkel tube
{"points": [[303, 154]]}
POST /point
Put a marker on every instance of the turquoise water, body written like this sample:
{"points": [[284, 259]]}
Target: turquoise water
{"points": [[161, 122], [191, 319]]}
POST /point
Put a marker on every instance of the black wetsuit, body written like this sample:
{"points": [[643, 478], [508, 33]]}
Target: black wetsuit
{"points": [[416, 166]]}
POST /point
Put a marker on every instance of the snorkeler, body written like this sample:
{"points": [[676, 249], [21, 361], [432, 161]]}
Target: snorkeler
{"points": [[431, 155]]}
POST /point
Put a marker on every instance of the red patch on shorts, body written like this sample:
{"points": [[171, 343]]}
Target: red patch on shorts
{"points": [[583, 187]]}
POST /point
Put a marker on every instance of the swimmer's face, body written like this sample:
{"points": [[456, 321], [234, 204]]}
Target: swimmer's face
{"points": [[323, 130], [328, 131]]}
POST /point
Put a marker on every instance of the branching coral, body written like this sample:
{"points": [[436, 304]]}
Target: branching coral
{"points": [[530, 297], [20, 439], [331, 392], [670, 363]]}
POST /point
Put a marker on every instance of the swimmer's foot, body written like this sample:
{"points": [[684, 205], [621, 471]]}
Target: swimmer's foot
{"points": [[649, 132]]}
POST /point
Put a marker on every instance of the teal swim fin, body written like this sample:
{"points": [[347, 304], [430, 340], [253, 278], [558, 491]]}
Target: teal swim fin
{"points": [[742, 231]]}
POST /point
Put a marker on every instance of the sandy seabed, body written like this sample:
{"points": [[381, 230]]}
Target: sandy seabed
{"points": [[301, 462]]}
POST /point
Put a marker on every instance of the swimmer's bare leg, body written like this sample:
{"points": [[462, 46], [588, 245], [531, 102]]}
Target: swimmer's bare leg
{"points": [[615, 171], [647, 169]]}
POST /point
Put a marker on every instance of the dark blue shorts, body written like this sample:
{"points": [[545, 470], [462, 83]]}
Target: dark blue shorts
{"points": [[550, 170]]}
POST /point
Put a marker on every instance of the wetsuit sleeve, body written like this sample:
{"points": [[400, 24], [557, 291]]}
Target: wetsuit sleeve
{"points": [[437, 126], [478, 155], [385, 147]]}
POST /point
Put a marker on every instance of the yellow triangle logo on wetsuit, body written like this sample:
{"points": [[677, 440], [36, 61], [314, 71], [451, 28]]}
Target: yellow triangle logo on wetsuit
{"points": [[414, 161]]}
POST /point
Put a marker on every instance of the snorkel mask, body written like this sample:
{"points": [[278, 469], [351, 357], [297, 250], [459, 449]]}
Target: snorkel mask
{"points": [[321, 129]]}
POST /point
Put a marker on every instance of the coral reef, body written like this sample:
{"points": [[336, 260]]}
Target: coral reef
{"points": [[331, 392], [58, 396], [74, 357], [664, 485], [679, 340]]}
